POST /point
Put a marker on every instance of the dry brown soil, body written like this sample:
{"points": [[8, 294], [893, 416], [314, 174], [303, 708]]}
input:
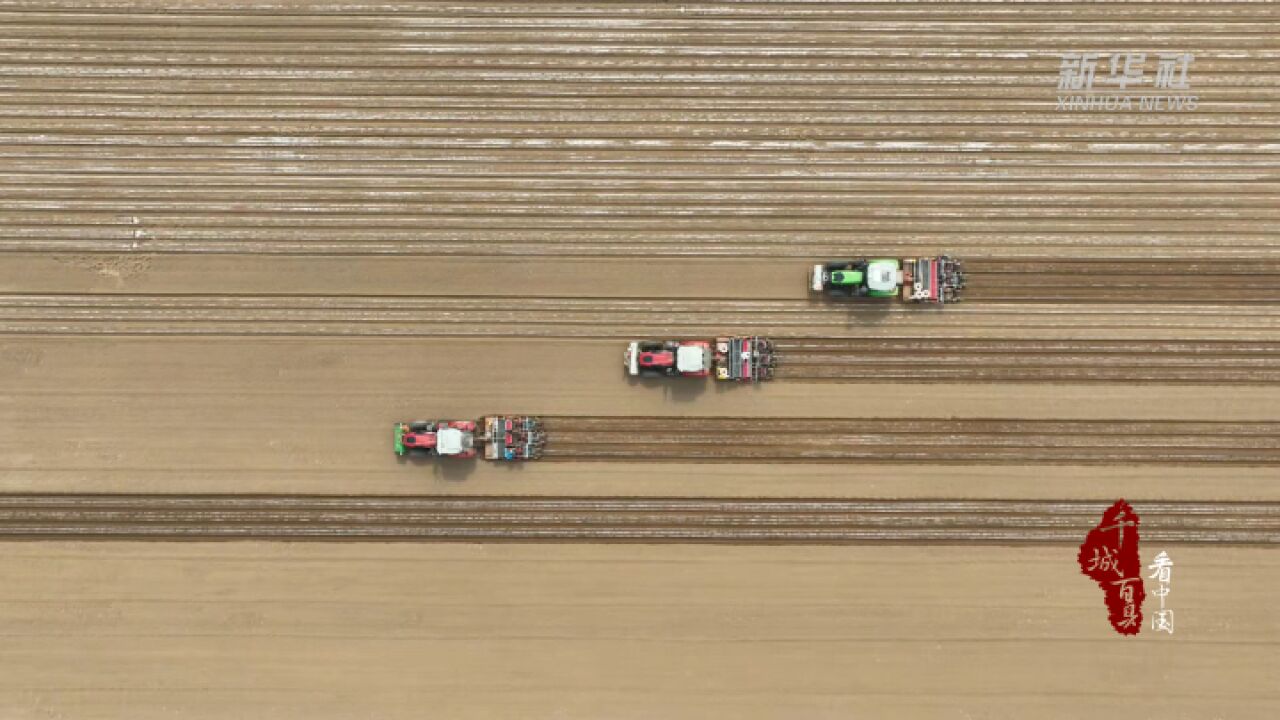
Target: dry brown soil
{"points": [[239, 239]]}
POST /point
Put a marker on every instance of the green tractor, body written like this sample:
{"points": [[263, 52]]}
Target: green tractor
{"points": [[916, 280]]}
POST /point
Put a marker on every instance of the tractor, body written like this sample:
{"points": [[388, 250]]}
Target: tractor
{"points": [[937, 280], [445, 438], [739, 359], [670, 358], [503, 437]]}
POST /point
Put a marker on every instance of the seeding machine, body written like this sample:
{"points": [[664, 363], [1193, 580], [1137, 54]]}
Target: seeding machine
{"points": [[502, 437]]}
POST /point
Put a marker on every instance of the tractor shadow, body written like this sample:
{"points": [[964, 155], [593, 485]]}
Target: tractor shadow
{"points": [[728, 387], [675, 389], [446, 469], [860, 312]]}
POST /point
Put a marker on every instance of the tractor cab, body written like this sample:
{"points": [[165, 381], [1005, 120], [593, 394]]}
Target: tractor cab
{"points": [[692, 359], [659, 359], [853, 278], [418, 440], [452, 441], [848, 278], [884, 277]]}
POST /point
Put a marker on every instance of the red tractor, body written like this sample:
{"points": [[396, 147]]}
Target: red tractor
{"points": [[685, 358], [736, 359], [504, 437], [448, 438]]}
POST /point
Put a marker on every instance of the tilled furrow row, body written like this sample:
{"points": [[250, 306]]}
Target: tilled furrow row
{"points": [[291, 235], [911, 440], [977, 360], [1208, 372], [731, 451], [820, 349], [829, 314], [730, 427], [1154, 329], [792, 303], [791, 321], [61, 502], [663, 534], [873, 361], [616, 519], [16, 519], [781, 439]]}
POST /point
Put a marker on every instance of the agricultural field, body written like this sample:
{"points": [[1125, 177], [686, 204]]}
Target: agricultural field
{"points": [[240, 240]]}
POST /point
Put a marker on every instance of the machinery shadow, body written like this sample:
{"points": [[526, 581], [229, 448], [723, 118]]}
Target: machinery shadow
{"points": [[861, 312], [449, 470], [455, 470], [675, 389], [724, 387]]}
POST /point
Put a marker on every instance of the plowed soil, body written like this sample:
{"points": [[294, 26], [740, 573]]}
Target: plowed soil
{"points": [[239, 240]]}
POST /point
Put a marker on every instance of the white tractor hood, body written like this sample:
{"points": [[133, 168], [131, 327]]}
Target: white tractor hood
{"points": [[450, 441], [883, 276], [691, 358]]}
